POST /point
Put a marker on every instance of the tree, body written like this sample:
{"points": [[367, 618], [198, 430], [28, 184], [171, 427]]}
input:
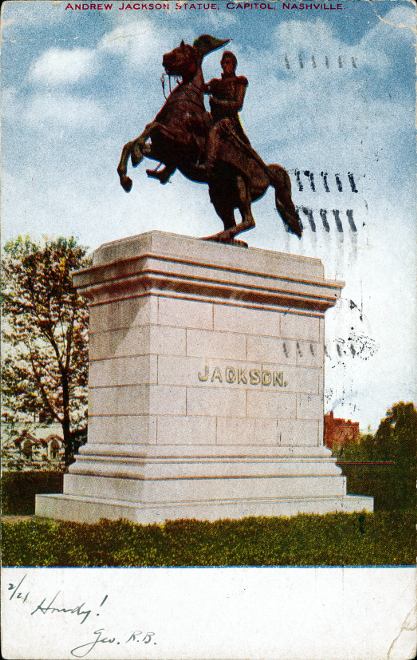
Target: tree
{"points": [[45, 333], [396, 436], [394, 445]]}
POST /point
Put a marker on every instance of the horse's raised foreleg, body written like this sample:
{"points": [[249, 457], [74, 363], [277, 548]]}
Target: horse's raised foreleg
{"points": [[135, 149], [125, 181]]}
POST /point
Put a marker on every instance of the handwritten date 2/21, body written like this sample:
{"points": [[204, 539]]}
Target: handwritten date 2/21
{"points": [[138, 636]]}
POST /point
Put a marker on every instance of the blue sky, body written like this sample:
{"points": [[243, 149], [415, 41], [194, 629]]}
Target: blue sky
{"points": [[78, 85]]}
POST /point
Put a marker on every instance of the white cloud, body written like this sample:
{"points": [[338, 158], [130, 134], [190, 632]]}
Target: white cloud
{"points": [[399, 18], [58, 66], [221, 19], [139, 42], [66, 111]]}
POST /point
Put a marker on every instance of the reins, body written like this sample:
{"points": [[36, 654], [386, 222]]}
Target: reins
{"points": [[165, 75], [190, 90]]}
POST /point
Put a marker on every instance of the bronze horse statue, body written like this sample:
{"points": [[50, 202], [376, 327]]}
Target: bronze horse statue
{"points": [[177, 138]]}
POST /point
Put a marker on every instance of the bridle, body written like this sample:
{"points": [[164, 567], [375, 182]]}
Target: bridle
{"points": [[178, 79], [163, 78]]}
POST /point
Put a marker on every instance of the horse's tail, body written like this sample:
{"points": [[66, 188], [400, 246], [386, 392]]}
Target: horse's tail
{"points": [[281, 182]]}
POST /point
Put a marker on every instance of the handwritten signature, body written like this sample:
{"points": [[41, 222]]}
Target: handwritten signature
{"points": [[82, 611], [100, 638]]}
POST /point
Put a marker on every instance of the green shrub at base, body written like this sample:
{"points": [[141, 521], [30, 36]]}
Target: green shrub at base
{"points": [[383, 538]]}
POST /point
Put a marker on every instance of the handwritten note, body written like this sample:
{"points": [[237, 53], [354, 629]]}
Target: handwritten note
{"points": [[55, 605], [154, 614]]}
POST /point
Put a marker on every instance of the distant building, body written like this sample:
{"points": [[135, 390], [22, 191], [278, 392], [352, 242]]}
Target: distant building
{"points": [[339, 432], [42, 449]]}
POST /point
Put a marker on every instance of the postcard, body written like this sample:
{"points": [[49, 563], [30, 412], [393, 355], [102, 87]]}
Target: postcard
{"points": [[323, 92]]}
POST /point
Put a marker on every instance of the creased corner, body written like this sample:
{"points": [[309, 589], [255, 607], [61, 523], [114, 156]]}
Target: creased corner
{"points": [[404, 645]]}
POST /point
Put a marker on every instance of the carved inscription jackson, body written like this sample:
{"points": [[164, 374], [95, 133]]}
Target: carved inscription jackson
{"points": [[242, 375]]}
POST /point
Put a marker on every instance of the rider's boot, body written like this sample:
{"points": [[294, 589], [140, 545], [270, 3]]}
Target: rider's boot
{"points": [[206, 169], [163, 176]]}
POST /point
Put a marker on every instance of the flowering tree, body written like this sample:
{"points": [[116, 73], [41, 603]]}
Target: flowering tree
{"points": [[46, 337]]}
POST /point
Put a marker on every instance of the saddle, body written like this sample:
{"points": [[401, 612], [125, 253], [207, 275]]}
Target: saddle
{"points": [[236, 151]]}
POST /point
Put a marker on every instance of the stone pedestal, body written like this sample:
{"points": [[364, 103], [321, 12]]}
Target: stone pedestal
{"points": [[205, 386]]}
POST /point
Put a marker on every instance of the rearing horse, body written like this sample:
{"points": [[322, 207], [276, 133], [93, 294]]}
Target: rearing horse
{"points": [[177, 137]]}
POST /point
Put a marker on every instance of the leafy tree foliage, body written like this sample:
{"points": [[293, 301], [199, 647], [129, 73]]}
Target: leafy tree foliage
{"points": [[393, 485], [396, 436], [395, 439], [46, 337]]}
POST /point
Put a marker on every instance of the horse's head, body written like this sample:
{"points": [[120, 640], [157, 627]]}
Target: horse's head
{"points": [[185, 60], [182, 61]]}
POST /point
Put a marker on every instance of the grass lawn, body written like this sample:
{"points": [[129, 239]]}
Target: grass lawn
{"points": [[381, 538]]}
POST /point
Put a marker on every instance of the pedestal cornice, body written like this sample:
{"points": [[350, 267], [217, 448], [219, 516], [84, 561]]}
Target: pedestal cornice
{"points": [[198, 270]]}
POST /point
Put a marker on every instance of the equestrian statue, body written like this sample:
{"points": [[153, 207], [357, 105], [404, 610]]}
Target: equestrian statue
{"points": [[210, 147]]}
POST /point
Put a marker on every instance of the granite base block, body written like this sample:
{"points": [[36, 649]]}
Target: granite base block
{"points": [[92, 509]]}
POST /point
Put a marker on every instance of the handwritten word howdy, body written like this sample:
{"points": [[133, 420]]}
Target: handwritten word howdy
{"points": [[242, 376]]}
